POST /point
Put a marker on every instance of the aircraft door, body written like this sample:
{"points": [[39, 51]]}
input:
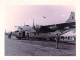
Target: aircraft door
{"points": [[23, 34]]}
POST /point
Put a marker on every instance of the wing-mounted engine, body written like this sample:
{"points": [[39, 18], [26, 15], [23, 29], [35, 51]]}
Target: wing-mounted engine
{"points": [[46, 29]]}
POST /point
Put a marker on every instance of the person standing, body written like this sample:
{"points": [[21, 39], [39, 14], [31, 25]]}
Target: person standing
{"points": [[57, 40], [9, 36]]}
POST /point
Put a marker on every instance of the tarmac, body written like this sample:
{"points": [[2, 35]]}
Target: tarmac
{"points": [[15, 47]]}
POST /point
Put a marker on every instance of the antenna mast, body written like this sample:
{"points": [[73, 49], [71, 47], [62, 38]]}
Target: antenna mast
{"points": [[33, 24]]}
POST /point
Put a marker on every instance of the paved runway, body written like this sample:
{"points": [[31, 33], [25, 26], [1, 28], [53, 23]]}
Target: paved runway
{"points": [[14, 47]]}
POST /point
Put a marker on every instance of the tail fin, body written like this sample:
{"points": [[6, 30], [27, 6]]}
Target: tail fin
{"points": [[71, 18]]}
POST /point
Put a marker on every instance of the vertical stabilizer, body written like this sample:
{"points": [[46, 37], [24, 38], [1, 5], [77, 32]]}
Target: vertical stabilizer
{"points": [[71, 18]]}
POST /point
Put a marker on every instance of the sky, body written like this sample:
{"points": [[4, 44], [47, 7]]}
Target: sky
{"points": [[18, 15]]}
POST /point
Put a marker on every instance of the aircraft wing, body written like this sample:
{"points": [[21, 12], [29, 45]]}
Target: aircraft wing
{"points": [[60, 27]]}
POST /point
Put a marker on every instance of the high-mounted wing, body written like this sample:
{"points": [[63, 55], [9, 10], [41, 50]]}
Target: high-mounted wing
{"points": [[61, 27]]}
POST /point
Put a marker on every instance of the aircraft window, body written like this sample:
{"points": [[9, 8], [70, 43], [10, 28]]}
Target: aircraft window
{"points": [[16, 31], [34, 33], [27, 33]]}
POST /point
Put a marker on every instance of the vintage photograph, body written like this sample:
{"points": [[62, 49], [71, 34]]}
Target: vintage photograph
{"points": [[40, 30]]}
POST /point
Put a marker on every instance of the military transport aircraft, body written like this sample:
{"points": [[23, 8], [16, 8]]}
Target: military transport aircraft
{"points": [[47, 31]]}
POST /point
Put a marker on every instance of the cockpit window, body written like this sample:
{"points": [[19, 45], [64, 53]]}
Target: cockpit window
{"points": [[27, 25], [16, 31]]}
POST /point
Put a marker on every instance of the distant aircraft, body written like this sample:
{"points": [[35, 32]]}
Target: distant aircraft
{"points": [[47, 31], [44, 17]]}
